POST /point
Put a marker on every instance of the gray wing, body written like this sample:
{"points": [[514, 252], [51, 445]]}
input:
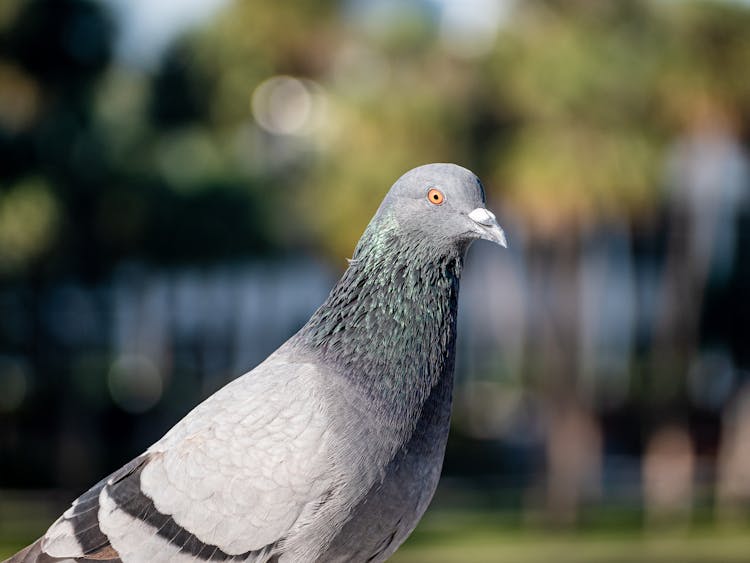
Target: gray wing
{"points": [[234, 480]]}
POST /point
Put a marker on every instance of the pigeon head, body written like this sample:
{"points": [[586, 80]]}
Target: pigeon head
{"points": [[401, 287], [440, 204]]}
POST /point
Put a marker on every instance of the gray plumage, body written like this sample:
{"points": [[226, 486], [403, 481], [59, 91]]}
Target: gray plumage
{"points": [[331, 449]]}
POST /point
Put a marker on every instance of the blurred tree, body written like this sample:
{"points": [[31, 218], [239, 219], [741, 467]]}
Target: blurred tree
{"points": [[180, 91], [282, 123], [53, 52], [568, 83]]}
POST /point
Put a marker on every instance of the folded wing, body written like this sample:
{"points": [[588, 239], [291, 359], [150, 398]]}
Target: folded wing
{"points": [[234, 480]]}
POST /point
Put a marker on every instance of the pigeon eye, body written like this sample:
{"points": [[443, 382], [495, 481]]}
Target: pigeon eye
{"points": [[435, 196]]}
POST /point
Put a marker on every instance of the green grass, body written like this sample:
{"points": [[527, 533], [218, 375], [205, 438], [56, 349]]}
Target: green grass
{"points": [[452, 536], [455, 534], [489, 547], [24, 515], [541, 548]]}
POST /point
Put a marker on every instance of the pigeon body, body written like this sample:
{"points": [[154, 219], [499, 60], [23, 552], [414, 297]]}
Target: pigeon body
{"points": [[331, 449]]}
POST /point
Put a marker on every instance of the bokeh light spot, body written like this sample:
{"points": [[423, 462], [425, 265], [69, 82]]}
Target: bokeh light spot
{"points": [[134, 383], [13, 384], [28, 220], [283, 105]]}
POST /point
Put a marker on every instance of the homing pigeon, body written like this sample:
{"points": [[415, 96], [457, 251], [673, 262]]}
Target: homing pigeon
{"points": [[331, 449]]}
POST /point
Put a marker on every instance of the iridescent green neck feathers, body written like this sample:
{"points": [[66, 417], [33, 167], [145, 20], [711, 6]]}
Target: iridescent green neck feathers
{"points": [[389, 324]]}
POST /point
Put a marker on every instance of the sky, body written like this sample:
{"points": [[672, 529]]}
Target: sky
{"points": [[147, 27]]}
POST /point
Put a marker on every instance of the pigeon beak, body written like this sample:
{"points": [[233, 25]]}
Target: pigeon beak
{"points": [[486, 226]]}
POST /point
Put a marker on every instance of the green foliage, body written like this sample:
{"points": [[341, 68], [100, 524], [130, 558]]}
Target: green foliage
{"points": [[566, 117], [29, 217]]}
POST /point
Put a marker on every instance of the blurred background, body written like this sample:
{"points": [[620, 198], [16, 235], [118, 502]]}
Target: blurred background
{"points": [[182, 180]]}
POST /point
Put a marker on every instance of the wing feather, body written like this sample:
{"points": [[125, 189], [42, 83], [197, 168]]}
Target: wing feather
{"points": [[234, 479], [254, 455]]}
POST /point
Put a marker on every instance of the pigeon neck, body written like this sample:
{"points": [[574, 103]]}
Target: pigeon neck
{"points": [[389, 324]]}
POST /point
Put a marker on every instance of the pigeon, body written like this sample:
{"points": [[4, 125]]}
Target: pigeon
{"points": [[329, 450]]}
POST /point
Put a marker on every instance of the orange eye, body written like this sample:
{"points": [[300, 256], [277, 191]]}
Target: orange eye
{"points": [[435, 196]]}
